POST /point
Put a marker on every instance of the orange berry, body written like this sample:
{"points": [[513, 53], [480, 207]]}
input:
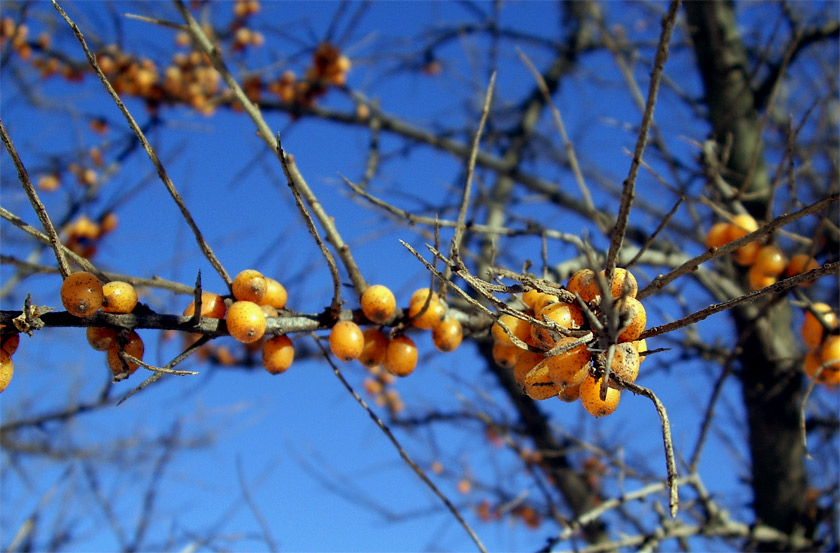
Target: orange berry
{"points": [[526, 361], [538, 383], [570, 368], [7, 370], [569, 394], [212, 306], [801, 263], [81, 294], [770, 260], [278, 353], [118, 297], [519, 328], [421, 294], [401, 356], [565, 315], [830, 358], [625, 361], [447, 335], [275, 294], [811, 330], [623, 282], [249, 285], [590, 398], [758, 280], [641, 347], [585, 284], [245, 321], [635, 316], [10, 342], [269, 311], [101, 338], [506, 356], [543, 301], [120, 368], [746, 255], [741, 226], [429, 318], [376, 344], [346, 340], [529, 297], [378, 303], [718, 235]]}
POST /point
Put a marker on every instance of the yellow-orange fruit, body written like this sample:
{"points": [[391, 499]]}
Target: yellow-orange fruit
{"points": [[801, 263], [7, 370], [625, 361], [570, 368], [427, 318], [81, 294], [623, 282], [741, 226], [585, 284], [123, 369], [269, 311], [277, 354], [633, 312], [569, 394], [245, 321], [212, 306], [10, 342], [771, 260], [590, 398], [376, 344], [758, 280], [718, 235], [249, 285], [421, 294], [347, 340], [527, 360], [746, 255], [506, 356], [401, 356], [275, 294], [447, 335], [538, 384], [829, 353], [118, 297], [641, 347], [530, 297], [101, 338], [811, 330], [519, 328], [565, 315], [378, 303], [544, 300]]}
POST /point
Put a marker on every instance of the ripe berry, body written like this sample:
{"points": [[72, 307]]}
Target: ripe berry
{"points": [[771, 260], [625, 361], [519, 328], [811, 330], [421, 294], [544, 300], [641, 347], [529, 297], [120, 368], [801, 263], [633, 312], [378, 303], [718, 235], [249, 285], [569, 394], [10, 342], [527, 360], [7, 370], [81, 294], [829, 353], [584, 283], [570, 368], [101, 338], [741, 226], [277, 354], [506, 356], [590, 398], [212, 306], [118, 297], [275, 294], [376, 344], [245, 321], [565, 315], [447, 335], [430, 317], [623, 283], [401, 356], [346, 340], [538, 384], [758, 280]]}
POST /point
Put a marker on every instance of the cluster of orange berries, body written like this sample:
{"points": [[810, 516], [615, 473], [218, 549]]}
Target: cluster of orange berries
{"points": [[82, 236], [568, 374], [329, 67], [766, 262], [824, 348]]}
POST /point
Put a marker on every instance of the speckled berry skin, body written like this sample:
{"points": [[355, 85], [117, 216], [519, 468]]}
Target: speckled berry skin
{"points": [[347, 341], [401, 356], [249, 285], [590, 398], [118, 297], [378, 303], [278, 354], [123, 369], [447, 335], [81, 294], [636, 317], [245, 321]]}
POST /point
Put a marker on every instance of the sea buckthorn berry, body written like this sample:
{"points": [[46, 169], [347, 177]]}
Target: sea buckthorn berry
{"points": [[569, 394], [118, 297], [347, 340], [376, 344], [101, 338], [10, 342], [275, 294], [746, 255], [7, 370], [122, 369], [801, 263], [401, 356], [741, 226], [518, 327], [249, 285], [625, 361], [245, 321], [758, 279], [829, 353], [585, 284], [718, 235], [447, 335], [81, 294], [212, 306], [269, 311], [633, 312], [569, 368], [641, 347], [527, 360], [590, 398], [426, 319], [543, 301], [538, 384], [565, 315], [529, 297], [277, 354], [623, 283], [771, 260], [812, 331], [506, 356], [378, 303], [421, 294]]}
